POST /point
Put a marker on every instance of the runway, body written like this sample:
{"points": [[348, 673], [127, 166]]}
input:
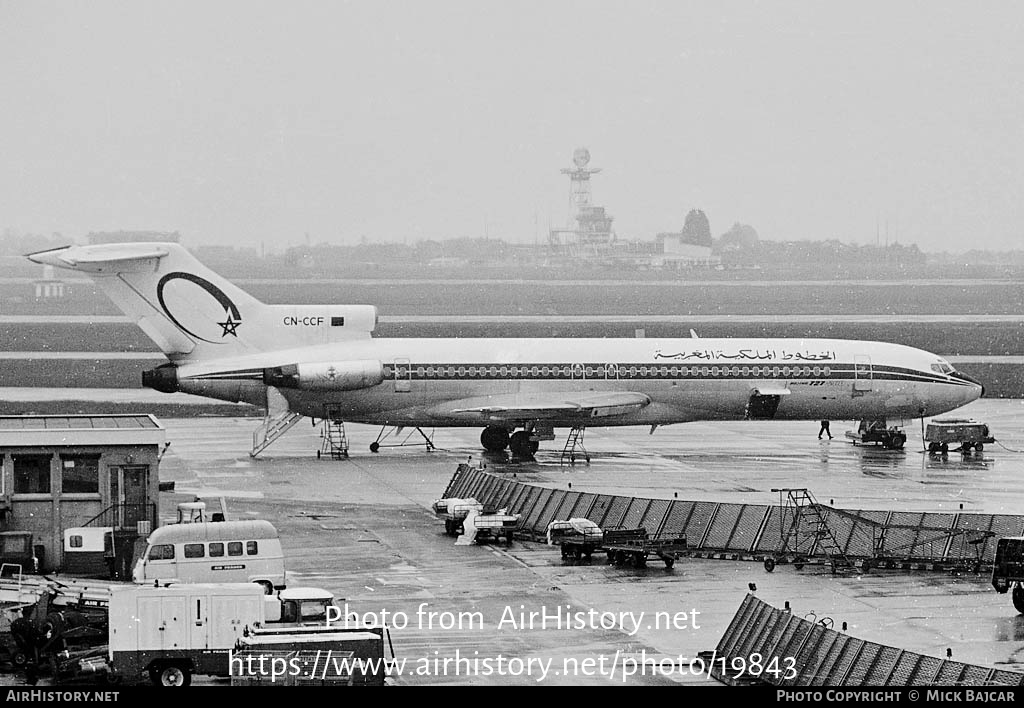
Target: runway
{"points": [[362, 528]]}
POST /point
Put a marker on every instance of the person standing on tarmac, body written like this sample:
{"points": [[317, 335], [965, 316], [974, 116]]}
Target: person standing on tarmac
{"points": [[824, 429]]}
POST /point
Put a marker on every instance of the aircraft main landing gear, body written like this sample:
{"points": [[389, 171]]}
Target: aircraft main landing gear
{"points": [[522, 446], [494, 438]]}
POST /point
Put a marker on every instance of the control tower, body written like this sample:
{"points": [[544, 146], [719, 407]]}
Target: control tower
{"points": [[589, 228]]}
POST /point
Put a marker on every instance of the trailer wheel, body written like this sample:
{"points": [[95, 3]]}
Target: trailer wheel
{"points": [[978, 447], [669, 562], [769, 564], [1018, 598], [170, 675]]}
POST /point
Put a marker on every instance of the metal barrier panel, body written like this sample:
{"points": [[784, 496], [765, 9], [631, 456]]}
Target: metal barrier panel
{"points": [[635, 512], [747, 526], [775, 528], [903, 673], [518, 496], [842, 526], [883, 666], [961, 548], [476, 486], [844, 665], [602, 505], [527, 501], [900, 542], [1000, 677], [784, 646], [500, 493], [739, 622], [583, 506], [974, 676], [862, 539], [759, 617], [654, 517], [548, 515], [463, 483], [564, 510], [616, 510], [491, 490], [867, 657], [675, 521], [950, 673], [927, 671], [825, 657], [932, 544], [721, 526], [530, 522], [832, 656], [808, 660], [1003, 525], [698, 523]]}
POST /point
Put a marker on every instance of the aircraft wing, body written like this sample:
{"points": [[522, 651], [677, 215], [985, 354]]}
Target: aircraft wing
{"points": [[586, 404]]}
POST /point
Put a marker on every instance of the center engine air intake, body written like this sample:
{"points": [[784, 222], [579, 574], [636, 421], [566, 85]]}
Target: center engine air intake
{"points": [[326, 376]]}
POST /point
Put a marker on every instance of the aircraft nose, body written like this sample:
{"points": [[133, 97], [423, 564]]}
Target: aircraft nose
{"points": [[977, 389]]}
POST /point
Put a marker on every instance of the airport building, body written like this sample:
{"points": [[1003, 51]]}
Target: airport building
{"points": [[67, 472]]}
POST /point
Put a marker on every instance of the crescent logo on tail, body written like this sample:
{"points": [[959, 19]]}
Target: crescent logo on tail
{"points": [[232, 318]]}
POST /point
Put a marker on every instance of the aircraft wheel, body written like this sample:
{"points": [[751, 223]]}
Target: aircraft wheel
{"points": [[521, 445], [494, 438], [374, 446]]}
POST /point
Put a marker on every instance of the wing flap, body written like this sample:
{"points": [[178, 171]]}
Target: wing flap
{"points": [[552, 406]]}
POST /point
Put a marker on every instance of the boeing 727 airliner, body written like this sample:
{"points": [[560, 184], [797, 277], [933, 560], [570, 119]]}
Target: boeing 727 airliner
{"points": [[321, 361]]}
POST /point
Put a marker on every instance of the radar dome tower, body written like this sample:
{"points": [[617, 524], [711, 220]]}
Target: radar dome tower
{"points": [[589, 227]]}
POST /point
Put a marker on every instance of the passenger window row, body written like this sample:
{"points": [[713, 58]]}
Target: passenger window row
{"points": [[214, 549]]}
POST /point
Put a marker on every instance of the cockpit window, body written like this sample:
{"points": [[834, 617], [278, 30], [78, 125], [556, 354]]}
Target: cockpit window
{"points": [[942, 368]]}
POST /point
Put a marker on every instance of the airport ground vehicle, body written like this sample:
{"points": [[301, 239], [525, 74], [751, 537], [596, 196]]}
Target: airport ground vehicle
{"points": [[173, 632], [623, 546], [488, 522], [1008, 571], [876, 432], [206, 552], [942, 433]]}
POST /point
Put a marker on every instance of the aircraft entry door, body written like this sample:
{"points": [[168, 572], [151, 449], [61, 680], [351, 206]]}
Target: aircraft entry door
{"points": [[403, 375], [862, 373]]}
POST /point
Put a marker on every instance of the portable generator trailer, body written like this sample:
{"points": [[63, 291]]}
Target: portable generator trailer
{"points": [[943, 433]]}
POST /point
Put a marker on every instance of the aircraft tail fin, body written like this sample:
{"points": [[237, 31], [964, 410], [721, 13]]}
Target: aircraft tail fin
{"points": [[192, 313]]}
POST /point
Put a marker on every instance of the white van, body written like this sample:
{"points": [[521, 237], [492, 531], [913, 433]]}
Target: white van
{"points": [[214, 552]]}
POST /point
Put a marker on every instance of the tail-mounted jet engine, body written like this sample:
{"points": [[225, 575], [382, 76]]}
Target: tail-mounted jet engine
{"points": [[326, 376]]}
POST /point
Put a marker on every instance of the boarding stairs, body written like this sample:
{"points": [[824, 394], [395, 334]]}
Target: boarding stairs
{"points": [[334, 441], [574, 446], [271, 430], [279, 421], [807, 513]]}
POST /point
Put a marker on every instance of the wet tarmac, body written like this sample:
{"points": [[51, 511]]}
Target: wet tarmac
{"points": [[362, 528]]}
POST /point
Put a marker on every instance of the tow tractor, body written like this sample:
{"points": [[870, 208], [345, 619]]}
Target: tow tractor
{"points": [[877, 432]]}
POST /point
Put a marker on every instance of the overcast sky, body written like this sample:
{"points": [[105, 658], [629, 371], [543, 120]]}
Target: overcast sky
{"points": [[249, 122]]}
